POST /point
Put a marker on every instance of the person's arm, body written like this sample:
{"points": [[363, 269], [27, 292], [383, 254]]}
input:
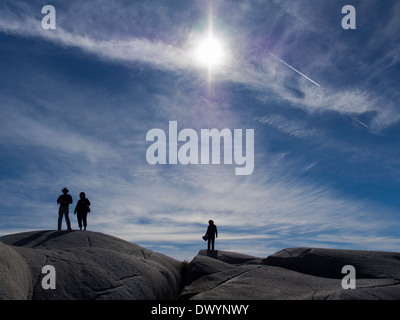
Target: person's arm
{"points": [[70, 199], [216, 232]]}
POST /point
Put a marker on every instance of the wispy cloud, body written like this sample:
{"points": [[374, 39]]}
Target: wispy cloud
{"points": [[259, 71], [100, 148]]}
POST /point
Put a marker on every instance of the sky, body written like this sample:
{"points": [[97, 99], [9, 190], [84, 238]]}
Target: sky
{"points": [[78, 101]]}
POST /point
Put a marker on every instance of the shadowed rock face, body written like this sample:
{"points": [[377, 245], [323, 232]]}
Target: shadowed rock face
{"points": [[88, 265], [328, 263], [293, 273], [92, 265], [14, 274]]}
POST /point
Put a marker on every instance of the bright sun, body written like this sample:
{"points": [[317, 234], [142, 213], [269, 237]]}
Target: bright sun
{"points": [[210, 52]]}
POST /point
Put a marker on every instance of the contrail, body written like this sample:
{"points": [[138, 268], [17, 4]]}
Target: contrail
{"points": [[360, 122], [261, 47]]}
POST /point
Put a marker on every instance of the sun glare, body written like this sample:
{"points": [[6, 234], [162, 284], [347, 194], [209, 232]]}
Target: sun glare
{"points": [[210, 52]]}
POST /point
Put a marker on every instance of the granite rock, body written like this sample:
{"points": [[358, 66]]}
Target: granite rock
{"points": [[88, 265], [96, 266], [294, 274]]}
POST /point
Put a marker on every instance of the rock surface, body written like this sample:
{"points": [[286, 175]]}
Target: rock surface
{"points": [[293, 273], [91, 265], [14, 274], [88, 265]]}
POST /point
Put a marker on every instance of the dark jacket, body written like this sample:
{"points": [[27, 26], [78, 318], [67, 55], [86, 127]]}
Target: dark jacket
{"points": [[64, 200], [82, 206], [212, 231]]}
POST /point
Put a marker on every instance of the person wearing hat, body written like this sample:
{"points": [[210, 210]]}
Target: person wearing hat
{"points": [[64, 200]]}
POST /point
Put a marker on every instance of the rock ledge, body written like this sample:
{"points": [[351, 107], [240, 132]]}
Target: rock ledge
{"points": [[293, 273], [95, 266], [89, 265]]}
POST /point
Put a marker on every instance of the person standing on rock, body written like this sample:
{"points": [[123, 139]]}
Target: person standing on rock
{"points": [[211, 233], [82, 208], [64, 200]]}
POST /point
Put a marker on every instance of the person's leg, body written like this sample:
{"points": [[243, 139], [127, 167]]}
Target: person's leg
{"points": [[60, 215], [84, 218], [208, 243], [212, 243], [79, 216], [67, 218]]}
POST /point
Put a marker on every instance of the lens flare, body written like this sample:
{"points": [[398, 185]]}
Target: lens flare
{"points": [[210, 52]]}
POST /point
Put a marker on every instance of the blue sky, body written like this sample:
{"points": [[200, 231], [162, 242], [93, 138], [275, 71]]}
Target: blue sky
{"points": [[77, 102]]}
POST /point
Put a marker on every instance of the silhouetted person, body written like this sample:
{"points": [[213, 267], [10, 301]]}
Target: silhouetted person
{"points": [[82, 209], [64, 200], [211, 233]]}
